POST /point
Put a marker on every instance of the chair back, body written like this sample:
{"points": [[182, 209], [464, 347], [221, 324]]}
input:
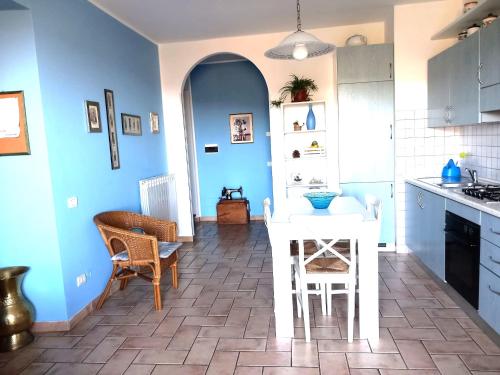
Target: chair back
{"points": [[374, 209], [326, 231], [267, 211]]}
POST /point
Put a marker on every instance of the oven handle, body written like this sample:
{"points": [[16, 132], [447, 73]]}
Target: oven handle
{"points": [[493, 290], [494, 260], [452, 234]]}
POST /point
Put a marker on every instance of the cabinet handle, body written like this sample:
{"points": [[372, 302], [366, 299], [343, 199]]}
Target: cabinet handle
{"points": [[479, 68], [494, 260], [494, 231], [390, 70], [447, 114], [392, 190], [390, 126], [493, 290], [420, 199]]}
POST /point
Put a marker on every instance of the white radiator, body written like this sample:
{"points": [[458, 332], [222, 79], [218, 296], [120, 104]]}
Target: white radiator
{"points": [[158, 197]]}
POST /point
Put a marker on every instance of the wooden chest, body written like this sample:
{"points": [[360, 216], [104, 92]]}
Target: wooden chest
{"points": [[233, 211]]}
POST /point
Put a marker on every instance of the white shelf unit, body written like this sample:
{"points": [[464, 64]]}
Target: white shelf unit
{"points": [[312, 168], [475, 15]]}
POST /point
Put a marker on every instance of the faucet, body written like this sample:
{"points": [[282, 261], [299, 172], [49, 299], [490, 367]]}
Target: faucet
{"points": [[473, 175]]}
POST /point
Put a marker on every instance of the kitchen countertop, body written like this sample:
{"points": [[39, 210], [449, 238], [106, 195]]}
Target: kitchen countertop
{"points": [[492, 208]]}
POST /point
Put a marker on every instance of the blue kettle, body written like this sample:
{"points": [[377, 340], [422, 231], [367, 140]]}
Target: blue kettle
{"points": [[451, 172]]}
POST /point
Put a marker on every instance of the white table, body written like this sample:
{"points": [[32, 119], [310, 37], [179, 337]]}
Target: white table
{"points": [[283, 233]]}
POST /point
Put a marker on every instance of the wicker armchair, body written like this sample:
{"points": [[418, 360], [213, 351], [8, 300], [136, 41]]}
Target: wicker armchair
{"points": [[135, 240]]}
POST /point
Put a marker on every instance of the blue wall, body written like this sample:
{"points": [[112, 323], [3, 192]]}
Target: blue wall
{"points": [[219, 90], [27, 218], [81, 51]]}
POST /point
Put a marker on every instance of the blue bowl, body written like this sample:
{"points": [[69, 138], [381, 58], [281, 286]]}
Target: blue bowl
{"points": [[320, 199]]}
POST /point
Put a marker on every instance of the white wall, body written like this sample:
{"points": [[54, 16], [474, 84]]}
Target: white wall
{"points": [[178, 59]]}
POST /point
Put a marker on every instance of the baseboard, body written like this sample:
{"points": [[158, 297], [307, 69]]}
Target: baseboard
{"points": [[185, 238], [214, 218]]}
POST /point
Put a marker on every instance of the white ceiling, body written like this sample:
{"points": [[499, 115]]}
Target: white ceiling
{"points": [[165, 21]]}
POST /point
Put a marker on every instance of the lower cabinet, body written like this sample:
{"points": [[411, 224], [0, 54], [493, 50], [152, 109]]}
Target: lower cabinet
{"points": [[425, 220], [489, 297], [383, 191]]}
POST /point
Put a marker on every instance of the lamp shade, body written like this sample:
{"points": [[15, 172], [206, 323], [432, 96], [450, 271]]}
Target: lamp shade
{"points": [[297, 42]]}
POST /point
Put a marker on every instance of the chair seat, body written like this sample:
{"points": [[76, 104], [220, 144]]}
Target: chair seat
{"points": [[342, 246], [326, 265], [165, 250], [309, 248]]}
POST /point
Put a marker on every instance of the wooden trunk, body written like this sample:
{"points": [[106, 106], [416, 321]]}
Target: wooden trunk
{"points": [[233, 211]]}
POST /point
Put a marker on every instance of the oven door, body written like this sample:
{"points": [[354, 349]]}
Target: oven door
{"points": [[462, 257]]}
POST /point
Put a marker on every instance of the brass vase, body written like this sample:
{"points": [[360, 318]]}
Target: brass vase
{"points": [[16, 312]]}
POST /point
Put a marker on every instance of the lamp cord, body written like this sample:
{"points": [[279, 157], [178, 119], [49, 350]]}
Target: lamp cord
{"points": [[299, 23]]}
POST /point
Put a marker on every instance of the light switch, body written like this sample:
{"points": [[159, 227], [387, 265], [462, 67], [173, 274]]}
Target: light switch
{"points": [[268, 134], [72, 202], [269, 163]]}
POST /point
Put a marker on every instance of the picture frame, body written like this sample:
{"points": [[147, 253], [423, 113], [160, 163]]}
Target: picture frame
{"points": [[113, 138], [241, 127], [154, 121], [14, 138], [93, 112], [131, 124]]}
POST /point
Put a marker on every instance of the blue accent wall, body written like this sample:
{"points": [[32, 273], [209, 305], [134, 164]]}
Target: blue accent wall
{"points": [[80, 52], [219, 90]]}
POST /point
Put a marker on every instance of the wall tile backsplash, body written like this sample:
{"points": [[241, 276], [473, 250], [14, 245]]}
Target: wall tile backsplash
{"points": [[422, 152]]}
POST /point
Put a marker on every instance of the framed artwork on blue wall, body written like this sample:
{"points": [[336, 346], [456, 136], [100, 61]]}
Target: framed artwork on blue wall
{"points": [[113, 139], [13, 127], [131, 124], [154, 121], [241, 127], [93, 117]]}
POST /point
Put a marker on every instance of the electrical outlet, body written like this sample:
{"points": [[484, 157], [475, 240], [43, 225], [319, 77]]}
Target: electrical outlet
{"points": [[72, 202], [81, 279]]}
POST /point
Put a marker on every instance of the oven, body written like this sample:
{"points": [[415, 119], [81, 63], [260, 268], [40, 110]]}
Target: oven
{"points": [[462, 245]]}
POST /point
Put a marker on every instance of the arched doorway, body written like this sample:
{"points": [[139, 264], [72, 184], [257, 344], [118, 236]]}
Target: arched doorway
{"points": [[221, 87]]}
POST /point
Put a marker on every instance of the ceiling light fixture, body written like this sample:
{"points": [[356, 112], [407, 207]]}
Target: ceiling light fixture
{"points": [[299, 45]]}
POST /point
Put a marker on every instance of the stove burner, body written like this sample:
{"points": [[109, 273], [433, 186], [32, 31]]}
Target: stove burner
{"points": [[489, 192]]}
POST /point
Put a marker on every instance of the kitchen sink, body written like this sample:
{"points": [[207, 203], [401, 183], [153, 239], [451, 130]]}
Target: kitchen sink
{"points": [[438, 181]]}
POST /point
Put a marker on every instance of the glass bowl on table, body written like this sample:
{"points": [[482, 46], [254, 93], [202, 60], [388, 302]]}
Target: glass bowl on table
{"points": [[320, 199]]}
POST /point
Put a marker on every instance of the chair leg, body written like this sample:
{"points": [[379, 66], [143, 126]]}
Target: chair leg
{"points": [[298, 295], [305, 308], [173, 268], [123, 283], [323, 298], [351, 299], [328, 295], [156, 286], [104, 294]]}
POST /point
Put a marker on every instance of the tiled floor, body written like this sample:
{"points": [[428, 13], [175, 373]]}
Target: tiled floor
{"points": [[220, 321]]}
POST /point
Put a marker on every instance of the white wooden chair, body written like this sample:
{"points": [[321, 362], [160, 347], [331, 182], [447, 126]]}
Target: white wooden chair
{"points": [[309, 249], [317, 269]]}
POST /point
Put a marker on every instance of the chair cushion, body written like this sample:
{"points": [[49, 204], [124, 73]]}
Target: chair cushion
{"points": [[342, 246], [121, 256], [168, 248], [309, 248], [331, 265]]}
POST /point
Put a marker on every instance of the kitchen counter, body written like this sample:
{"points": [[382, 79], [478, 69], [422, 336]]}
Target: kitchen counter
{"points": [[492, 208]]}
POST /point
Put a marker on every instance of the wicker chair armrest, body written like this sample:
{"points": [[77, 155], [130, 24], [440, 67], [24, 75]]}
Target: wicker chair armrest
{"points": [[165, 231]]}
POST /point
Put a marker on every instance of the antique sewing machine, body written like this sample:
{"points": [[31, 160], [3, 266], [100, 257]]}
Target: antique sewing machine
{"points": [[228, 193]]}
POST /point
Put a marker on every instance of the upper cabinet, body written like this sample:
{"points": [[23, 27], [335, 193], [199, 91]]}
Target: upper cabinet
{"points": [[490, 67], [365, 63]]}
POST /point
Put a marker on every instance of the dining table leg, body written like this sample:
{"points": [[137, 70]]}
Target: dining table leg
{"points": [[282, 280], [368, 282]]}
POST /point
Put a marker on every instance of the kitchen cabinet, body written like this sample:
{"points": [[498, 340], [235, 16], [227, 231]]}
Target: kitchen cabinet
{"points": [[365, 63], [425, 220], [490, 72], [383, 191], [489, 297], [453, 87], [366, 117], [366, 127]]}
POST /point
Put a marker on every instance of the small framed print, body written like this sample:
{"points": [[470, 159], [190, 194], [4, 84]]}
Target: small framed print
{"points": [[131, 124], [93, 117], [241, 127], [113, 140], [154, 121]]}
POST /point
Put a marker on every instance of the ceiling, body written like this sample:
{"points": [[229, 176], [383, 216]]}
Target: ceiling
{"points": [[164, 21]]}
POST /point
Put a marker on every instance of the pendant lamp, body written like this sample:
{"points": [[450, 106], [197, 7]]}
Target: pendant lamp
{"points": [[299, 45]]}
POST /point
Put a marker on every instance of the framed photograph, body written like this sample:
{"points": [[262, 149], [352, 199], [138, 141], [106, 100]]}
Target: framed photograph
{"points": [[13, 128], [113, 139], [93, 117], [154, 121], [241, 127], [131, 124]]}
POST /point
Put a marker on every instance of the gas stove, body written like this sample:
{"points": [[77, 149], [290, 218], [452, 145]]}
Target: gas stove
{"points": [[484, 192]]}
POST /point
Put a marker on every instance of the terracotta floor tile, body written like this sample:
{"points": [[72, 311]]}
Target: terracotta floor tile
{"points": [[450, 329], [452, 347], [290, 371], [223, 363], [242, 345], [304, 354], [333, 364], [34, 369], [63, 355], [227, 332], [373, 360], [74, 369], [55, 342], [119, 362], [488, 346], [238, 317], [449, 364], [264, 359], [139, 370], [418, 318], [151, 356], [146, 343], [179, 370], [416, 334], [414, 354], [342, 346], [169, 326], [103, 352], [141, 330], [184, 338], [385, 343], [208, 321], [202, 351], [481, 362], [278, 345]]}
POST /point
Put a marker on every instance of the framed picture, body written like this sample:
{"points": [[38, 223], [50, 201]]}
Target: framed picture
{"points": [[93, 117], [131, 124], [241, 126], [154, 122], [13, 128], [113, 139]]}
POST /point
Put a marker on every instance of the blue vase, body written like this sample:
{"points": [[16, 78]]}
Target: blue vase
{"points": [[311, 119]]}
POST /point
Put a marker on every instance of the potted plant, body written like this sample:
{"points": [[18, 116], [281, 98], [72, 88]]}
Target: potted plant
{"points": [[299, 88]]}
